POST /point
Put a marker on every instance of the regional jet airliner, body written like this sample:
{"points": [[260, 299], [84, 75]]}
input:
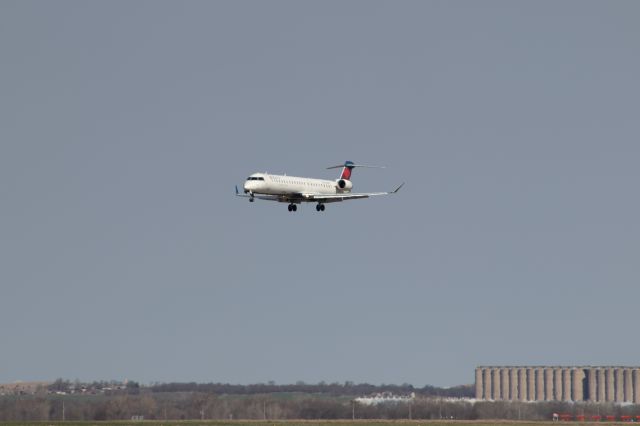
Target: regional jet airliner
{"points": [[296, 190]]}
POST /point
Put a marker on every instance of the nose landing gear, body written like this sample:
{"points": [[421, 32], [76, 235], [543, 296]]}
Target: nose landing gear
{"points": [[319, 207], [292, 207]]}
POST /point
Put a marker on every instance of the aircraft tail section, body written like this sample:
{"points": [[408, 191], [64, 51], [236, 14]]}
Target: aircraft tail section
{"points": [[346, 170], [348, 167]]}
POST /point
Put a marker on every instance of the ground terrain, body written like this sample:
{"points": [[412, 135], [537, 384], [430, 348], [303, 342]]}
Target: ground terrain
{"points": [[308, 423]]}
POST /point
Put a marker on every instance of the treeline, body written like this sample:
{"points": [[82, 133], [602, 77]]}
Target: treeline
{"points": [[332, 389], [195, 405], [349, 389]]}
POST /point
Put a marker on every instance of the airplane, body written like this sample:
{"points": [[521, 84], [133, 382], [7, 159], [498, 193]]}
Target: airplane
{"points": [[296, 190]]}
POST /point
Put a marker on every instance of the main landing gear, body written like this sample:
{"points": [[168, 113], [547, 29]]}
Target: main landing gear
{"points": [[292, 207]]}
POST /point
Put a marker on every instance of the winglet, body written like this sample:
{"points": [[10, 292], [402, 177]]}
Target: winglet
{"points": [[397, 189]]}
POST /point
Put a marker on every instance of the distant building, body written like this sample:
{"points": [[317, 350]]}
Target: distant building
{"points": [[385, 398], [23, 388], [555, 383]]}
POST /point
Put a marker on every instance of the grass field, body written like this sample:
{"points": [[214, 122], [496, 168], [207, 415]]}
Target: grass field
{"points": [[308, 423]]}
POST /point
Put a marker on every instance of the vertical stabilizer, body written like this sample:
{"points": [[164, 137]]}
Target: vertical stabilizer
{"points": [[346, 170], [348, 167]]}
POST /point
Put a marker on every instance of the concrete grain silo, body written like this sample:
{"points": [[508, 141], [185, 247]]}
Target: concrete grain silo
{"points": [[504, 384], [479, 384], [602, 394], [609, 385], [513, 384], [539, 373], [486, 377], [540, 383], [577, 389], [592, 380], [495, 380], [566, 384], [548, 384], [557, 384], [531, 385], [619, 380], [522, 384], [628, 385]]}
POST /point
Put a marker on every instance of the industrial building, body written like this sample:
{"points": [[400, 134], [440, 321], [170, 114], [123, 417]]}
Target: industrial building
{"points": [[587, 383]]}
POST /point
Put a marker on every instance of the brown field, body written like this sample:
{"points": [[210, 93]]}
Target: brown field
{"points": [[309, 423]]}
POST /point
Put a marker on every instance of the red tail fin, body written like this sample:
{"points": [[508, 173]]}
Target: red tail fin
{"points": [[346, 170], [348, 167]]}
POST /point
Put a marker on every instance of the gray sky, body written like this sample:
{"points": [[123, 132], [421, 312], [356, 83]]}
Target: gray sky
{"points": [[124, 127]]}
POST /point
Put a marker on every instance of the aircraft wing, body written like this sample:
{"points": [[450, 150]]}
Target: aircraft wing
{"points": [[332, 198]]}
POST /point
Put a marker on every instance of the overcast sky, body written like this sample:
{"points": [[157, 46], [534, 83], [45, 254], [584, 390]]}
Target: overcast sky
{"points": [[124, 127]]}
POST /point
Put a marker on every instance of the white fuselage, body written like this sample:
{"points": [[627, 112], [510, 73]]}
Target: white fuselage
{"points": [[263, 183]]}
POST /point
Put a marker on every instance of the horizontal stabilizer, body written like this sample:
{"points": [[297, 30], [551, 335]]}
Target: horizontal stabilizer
{"points": [[356, 165]]}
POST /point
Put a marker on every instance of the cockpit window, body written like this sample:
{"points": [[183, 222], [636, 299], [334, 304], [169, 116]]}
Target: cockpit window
{"points": [[255, 178]]}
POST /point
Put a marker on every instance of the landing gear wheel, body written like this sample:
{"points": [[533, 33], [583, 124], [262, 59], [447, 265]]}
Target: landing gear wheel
{"points": [[294, 207], [321, 207], [290, 207], [317, 207]]}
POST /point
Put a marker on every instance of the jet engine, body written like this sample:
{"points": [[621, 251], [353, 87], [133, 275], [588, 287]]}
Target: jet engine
{"points": [[344, 185]]}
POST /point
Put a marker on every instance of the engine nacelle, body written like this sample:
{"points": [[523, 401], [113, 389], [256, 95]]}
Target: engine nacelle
{"points": [[344, 185]]}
